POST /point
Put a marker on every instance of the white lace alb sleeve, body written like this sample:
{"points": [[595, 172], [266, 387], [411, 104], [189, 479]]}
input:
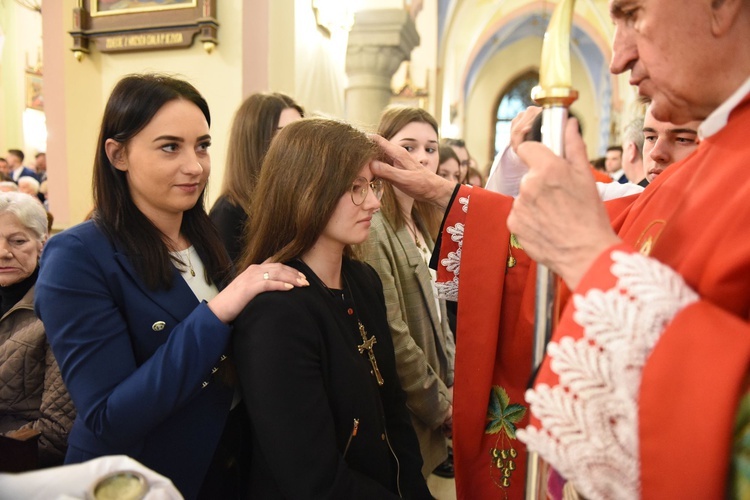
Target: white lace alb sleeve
{"points": [[589, 419]]}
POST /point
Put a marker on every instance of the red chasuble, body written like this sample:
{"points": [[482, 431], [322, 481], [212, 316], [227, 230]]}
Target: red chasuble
{"points": [[493, 347], [695, 218]]}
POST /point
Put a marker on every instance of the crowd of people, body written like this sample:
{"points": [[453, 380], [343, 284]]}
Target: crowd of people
{"points": [[305, 339]]}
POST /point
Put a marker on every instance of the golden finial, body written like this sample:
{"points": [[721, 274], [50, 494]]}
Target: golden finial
{"points": [[555, 81]]}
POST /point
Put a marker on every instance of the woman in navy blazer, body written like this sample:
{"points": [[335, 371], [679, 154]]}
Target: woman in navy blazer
{"points": [[130, 299]]}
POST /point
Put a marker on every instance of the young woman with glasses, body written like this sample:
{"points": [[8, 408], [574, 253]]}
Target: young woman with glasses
{"points": [[317, 368]]}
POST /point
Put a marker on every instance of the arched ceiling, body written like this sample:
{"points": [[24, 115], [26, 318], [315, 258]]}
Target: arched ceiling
{"points": [[470, 31]]}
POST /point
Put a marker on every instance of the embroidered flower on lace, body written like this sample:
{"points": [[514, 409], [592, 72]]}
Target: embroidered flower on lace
{"points": [[464, 201], [456, 232], [452, 262], [589, 421], [448, 290]]}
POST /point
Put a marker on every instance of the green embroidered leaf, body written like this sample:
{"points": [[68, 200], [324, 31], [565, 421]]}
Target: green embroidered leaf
{"points": [[510, 429], [493, 427], [740, 465], [501, 415], [514, 413], [514, 242], [502, 395]]}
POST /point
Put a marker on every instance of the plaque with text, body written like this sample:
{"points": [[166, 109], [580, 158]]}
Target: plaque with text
{"points": [[131, 25]]}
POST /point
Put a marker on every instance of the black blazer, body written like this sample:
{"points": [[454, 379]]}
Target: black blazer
{"points": [[304, 383], [230, 221]]}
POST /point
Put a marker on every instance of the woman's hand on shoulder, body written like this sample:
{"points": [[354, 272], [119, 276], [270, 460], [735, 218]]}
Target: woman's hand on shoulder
{"points": [[254, 280]]}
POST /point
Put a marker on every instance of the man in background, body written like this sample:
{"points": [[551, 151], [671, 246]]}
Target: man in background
{"points": [[632, 152], [40, 163], [4, 170], [17, 169], [613, 164], [665, 143]]}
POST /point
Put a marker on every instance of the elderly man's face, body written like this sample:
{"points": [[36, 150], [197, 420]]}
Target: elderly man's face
{"points": [[665, 143], [669, 48]]}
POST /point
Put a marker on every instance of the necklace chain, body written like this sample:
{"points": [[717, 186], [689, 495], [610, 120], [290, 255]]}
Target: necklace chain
{"points": [[367, 342], [190, 263], [413, 230]]}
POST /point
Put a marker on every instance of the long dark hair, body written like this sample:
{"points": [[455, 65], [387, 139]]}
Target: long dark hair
{"points": [[133, 103], [255, 124], [310, 165]]}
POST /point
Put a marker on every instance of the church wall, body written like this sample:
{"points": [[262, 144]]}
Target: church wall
{"points": [[22, 45], [281, 50]]}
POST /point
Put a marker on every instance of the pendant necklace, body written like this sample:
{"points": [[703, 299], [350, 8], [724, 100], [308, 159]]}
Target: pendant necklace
{"points": [[190, 264], [413, 230], [367, 343]]}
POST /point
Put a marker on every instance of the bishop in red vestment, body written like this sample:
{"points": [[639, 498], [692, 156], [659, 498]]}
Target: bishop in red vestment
{"points": [[640, 390]]}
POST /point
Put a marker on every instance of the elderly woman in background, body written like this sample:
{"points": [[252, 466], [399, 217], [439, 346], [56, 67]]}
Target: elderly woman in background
{"points": [[32, 395]]}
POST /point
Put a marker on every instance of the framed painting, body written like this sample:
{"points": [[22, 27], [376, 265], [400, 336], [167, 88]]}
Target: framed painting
{"points": [[120, 7], [132, 25], [34, 94]]}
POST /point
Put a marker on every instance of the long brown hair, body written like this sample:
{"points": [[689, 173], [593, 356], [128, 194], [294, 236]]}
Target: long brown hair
{"points": [[309, 166], [255, 123], [426, 216], [133, 103]]}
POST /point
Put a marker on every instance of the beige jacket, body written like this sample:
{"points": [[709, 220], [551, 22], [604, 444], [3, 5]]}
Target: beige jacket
{"points": [[32, 393], [424, 345]]}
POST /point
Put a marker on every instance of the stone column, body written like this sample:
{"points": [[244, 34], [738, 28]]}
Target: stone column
{"points": [[378, 42]]}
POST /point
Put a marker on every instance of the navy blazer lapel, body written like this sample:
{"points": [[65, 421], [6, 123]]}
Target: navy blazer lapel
{"points": [[179, 300]]}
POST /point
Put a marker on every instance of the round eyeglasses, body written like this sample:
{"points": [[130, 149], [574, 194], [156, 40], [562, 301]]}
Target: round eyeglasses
{"points": [[360, 187]]}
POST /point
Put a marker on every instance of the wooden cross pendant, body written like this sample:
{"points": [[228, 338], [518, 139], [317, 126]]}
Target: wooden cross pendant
{"points": [[367, 346]]}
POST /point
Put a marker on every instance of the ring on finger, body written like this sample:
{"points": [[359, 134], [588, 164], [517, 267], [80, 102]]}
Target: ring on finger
{"points": [[265, 276]]}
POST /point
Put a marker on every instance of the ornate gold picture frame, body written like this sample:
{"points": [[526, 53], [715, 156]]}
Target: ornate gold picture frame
{"points": [[133, 25], [120, 7], [34, 91]]}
